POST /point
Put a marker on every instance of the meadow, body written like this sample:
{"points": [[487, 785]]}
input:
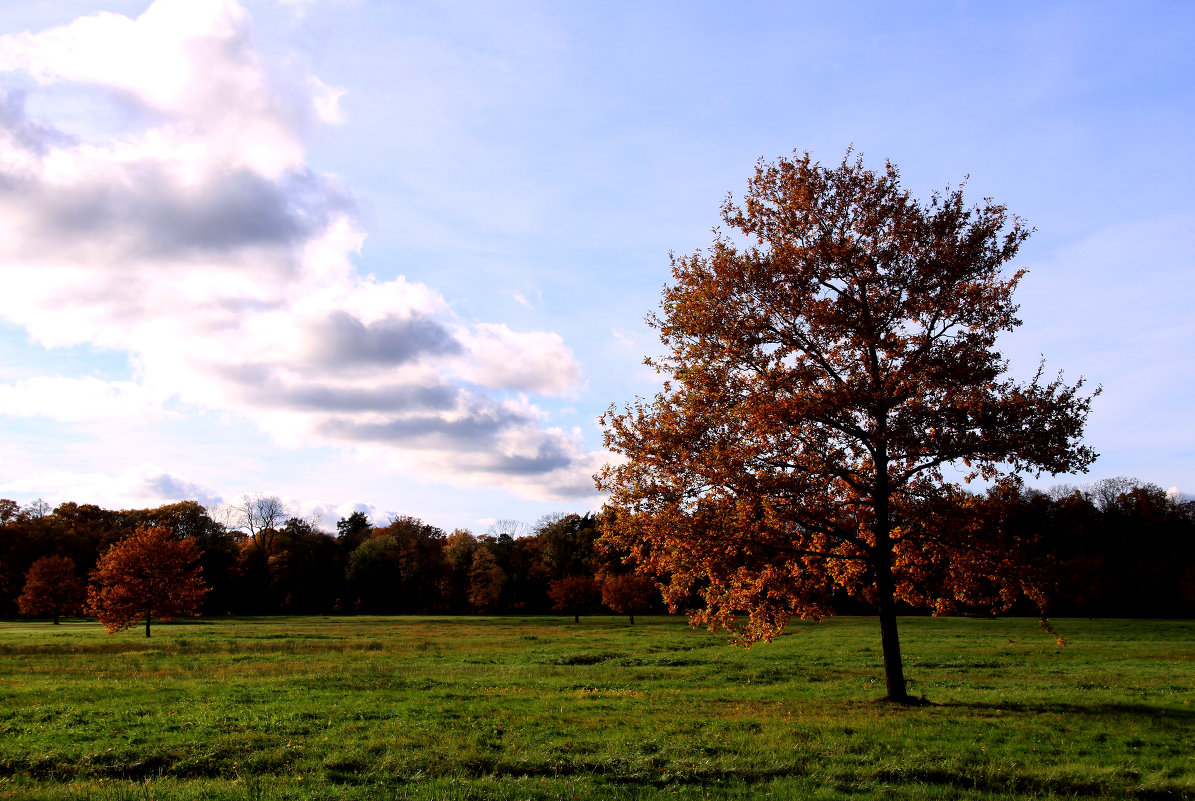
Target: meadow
{"points": [[542, 708]]}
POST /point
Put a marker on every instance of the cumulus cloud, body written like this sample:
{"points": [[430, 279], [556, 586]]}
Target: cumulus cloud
{"points": [[78, 399], [196, 239], [344, 340], [143, 486], [193, 65], [536, 361]]}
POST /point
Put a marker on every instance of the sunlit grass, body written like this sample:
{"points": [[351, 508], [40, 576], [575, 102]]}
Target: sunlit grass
{"points": [[313, 708]]}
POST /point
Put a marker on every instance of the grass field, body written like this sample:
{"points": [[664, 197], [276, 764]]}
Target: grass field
{"points": [[540, 708]]}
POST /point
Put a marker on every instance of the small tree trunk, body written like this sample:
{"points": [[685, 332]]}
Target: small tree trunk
{"points": [[632, 617], [147, 614], [55, 618], [576, 617]]}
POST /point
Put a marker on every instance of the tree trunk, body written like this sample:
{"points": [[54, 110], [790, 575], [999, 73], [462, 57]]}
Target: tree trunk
{"points": [[894, 672], [576, 618], [147, 614], [632, 617]]}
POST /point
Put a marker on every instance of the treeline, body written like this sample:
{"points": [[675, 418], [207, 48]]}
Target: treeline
{"points": [[1119, 548], [1116, 548], [268, 563]]}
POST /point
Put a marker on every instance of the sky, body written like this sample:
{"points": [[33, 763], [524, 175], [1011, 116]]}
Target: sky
{"points": [[396, 256]]}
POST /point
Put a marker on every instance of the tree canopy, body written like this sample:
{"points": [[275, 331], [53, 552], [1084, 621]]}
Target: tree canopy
{"points": [[820, 379], [52, 587], [148, 574]]}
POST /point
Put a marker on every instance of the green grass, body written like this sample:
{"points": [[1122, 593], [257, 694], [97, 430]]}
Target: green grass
{"points": [[540, 708]]}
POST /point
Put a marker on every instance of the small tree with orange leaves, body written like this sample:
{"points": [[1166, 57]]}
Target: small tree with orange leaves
{"points": [[574, 594], [822, 375], [52, 587], [148, 574], [627, 593]]}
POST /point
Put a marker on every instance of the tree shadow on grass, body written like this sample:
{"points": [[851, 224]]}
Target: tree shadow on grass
{"points": [[1169, 715], [621, 773]]}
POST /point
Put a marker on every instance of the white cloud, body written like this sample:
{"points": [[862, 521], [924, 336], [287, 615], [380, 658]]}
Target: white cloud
{"points": [[202, 245], [350, 507], [627, 340], [143, 486], [191, 61], [536, 361], [78, 399], [326, 515], [297, 7], [326, 100]]}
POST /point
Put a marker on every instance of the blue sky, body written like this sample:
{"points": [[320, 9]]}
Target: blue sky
{"points": [[397, 256]]}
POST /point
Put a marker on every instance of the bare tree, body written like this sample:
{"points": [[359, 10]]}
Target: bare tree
{"points": [[1106, 492], [546, 521], [38, 509], [259, 516], [511, 528]]}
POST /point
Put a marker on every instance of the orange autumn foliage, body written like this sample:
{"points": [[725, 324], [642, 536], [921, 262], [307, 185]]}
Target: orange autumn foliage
{"points": [[52, 587], [148, 574], [820, 378], [628, 593], [576, 594]]}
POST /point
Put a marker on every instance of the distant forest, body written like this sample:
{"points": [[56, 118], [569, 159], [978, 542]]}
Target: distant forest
{"points": [[1117, 548]]}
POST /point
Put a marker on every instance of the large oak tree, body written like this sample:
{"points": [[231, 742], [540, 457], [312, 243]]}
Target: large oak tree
{"points": [[825, 372]]}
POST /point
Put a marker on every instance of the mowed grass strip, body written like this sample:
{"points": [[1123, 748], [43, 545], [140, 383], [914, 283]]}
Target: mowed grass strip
{"points": [[531, 708]]}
